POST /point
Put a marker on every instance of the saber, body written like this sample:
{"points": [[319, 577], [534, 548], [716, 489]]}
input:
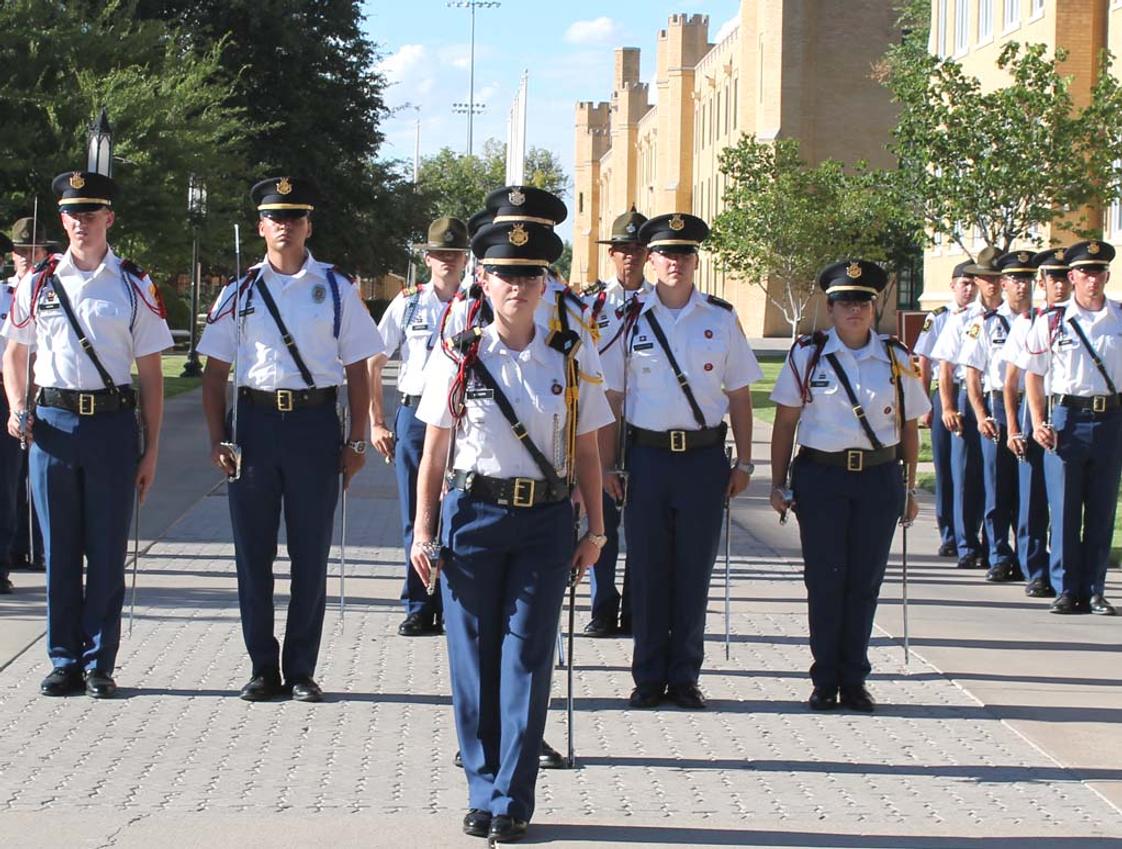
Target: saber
{"points": [[728, 572], [621, 438], [788, 493], [343, 526], [571, 759], [29, 393], [232, 447], [905, 523], [136, 506]]}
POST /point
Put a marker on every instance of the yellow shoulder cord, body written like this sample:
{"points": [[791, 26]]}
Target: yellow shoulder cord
{"points": [[572, 395]]}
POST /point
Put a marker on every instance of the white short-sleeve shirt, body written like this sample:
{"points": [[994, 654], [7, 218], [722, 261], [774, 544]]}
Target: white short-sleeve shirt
{"points": [[1054, 349], [306, 304], [949, 340], [411, 323], [983, 342], [932, 326], [119, 314]]}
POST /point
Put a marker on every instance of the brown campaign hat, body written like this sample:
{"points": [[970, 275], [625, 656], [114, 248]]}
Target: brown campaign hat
{"points": [[625, 229], [446, 234], [26, 233]]}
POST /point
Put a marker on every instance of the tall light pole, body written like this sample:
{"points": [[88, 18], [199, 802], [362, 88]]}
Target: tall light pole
{"points": [[470, 107], [196, 212]]}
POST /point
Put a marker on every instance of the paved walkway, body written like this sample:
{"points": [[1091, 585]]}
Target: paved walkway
{"points": [[1001, 732]]}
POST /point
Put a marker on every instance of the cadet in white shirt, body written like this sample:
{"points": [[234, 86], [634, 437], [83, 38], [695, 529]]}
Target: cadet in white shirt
{"points": [[963, 292], [288, 428], [412, 323], [684, 363], [855, 400], [1078, 345], [89, 315], [608, 307], [10, 455], [522, 408]]}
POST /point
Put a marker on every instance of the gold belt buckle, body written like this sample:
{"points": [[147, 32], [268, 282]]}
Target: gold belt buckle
{"points": [[527, 486], [86, 403], [1098, 404], [284, 400], [854, 460], [677, 441]]}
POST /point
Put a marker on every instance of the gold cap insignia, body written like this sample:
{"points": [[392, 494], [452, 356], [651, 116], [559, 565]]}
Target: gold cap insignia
{"points": [[677, 223], [854, 271], [76, 181], [1093, 248], [518, 235], [284, 186], [1023, 257], [1060, 253], [516, 197]]}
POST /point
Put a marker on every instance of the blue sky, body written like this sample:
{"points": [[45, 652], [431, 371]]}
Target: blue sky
{"points": [[567, 48]]}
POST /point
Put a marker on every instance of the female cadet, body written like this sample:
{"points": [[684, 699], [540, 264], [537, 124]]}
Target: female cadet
{"points": [[512, 415], [855, 399]]}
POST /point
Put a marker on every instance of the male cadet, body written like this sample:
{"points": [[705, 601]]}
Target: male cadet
{"points": [[963, 292], [1079, 423], [412, 323], [10, 457], [981, 354], [607, 308], [686, 363], [90, 316], [302, 327], [31, 244], [1032, 498], [959, 419]]}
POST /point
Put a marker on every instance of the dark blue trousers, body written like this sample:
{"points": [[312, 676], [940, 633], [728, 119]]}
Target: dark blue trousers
{"points": [[504, 582], [944, 483], [966, 473], [1082, 480], [608, 604], [675, 508], [846, 524], [290, 462], [20, 547], [999, 480], [409, 434], [11, 464], [83, 481], [1032, 506]]}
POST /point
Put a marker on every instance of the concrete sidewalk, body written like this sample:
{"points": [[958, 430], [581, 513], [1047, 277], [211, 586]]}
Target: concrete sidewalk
{"points": [[1002, 730]]}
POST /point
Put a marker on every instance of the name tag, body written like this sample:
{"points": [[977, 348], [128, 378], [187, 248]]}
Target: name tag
{"points": [[602, 322], [642, 346], [47, 306], [1065, 342], [421, 326], [248, 311], [480, 394], [820, 383]]}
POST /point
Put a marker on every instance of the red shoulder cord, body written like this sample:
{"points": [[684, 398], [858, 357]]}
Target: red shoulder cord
{"points": [[228, 308], [1055, 319], [45, 272], [457, 393], [803, 381], [134, 274]]}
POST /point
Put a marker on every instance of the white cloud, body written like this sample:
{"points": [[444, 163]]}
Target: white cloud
{"points": [[397, 66], [596, 31], [726, 29]]}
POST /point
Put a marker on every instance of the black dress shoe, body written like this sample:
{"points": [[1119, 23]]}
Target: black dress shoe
{"points": [[550, 758], [1039, 588], [99, 685], [477, 823], [62, 681], [686, 696], [600, 628], [857, 698], [1002, 572], [506, 829], [262, 687], [948, 549], [419, 625], [823, 698], [6, 586], [457, 760], [647, 696], [1101, 606], [1064, 604], [306, 690], [968, 562]]}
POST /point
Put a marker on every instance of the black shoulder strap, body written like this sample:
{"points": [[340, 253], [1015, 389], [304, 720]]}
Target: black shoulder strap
{"points": [[858, 410], [1002, 319], [550, 473], [83, 339], [695, 408], [289, 342], [1093, 354]]}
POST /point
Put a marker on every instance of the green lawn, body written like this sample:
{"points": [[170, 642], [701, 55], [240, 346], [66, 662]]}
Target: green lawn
{"points": [[173, 383], [762, 406]]}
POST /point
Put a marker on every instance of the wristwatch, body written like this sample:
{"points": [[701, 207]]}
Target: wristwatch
{"points": [[598, 540], [746, 466], [358, 446]]}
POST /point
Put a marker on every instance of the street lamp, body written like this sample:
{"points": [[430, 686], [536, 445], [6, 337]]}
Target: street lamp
{"points": [[196, 212], [471, 5], [99, 146]]}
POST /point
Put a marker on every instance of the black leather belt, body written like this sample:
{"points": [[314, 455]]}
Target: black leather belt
{"points": [[287, 400], [410, 400], [852, 459], [88, 403], [506, 492], [678, 441], [1094, 403]]}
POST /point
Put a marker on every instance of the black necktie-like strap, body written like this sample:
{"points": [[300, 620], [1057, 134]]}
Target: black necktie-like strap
{"points": [[695, 408], [286, 337], [858, 410]]}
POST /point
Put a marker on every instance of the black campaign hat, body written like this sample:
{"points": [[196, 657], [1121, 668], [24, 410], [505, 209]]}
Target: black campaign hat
{"points": [[1016, 264], [284, 197], [676, 233], [625, 228], [83, 191], [517, 247], [526, 204], [852, 280], [1052, 261], [1092, 254]]}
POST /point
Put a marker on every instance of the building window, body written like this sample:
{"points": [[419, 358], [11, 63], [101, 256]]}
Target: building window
{"points": [[1037, 10], [941, 29], [735, 99], [1012, 14], [580, 202], [726, 110], [717, 114], [985, 20], [961, 26], [760, 69]]}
